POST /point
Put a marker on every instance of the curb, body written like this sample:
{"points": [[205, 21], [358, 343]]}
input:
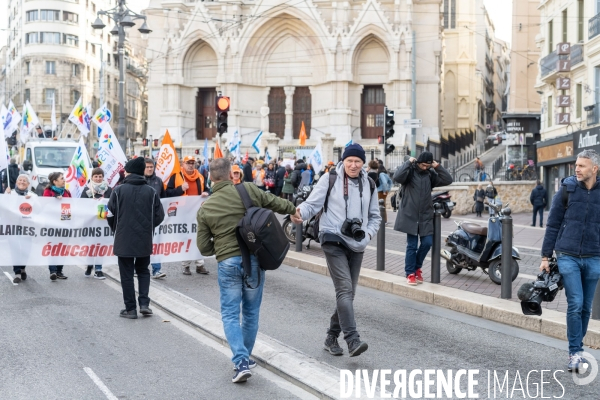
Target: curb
{"points": [[551, 323], [316, 377]]}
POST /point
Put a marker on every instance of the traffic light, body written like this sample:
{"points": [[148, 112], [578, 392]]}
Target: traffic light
{"points": [[388, 130], [196, 151], [145, 142], [222, 107]]}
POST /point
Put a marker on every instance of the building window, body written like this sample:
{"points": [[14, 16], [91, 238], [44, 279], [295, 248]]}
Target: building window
{"points": [[93, 7], [550, 111], [88, 72], [50, 93], [70, 40], [579, 100], [49, 15], [93, 49], [450, 14], [27, 68], [132, 108], [70, 17], [372, 107], [50, 37], [32, 15], [51, 67], [564, 26], [550, 36], [75, 95], [31, 38], [580, 10], [75, 69], [27, 95]]}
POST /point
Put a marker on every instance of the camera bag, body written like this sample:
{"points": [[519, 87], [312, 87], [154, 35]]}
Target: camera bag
{"points": [[259, 233], [332, 179]]}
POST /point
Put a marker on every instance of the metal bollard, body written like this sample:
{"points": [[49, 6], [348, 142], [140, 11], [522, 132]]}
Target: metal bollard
{"points": [[437, 243], [596, 304], [381, 238], [506, 260], [299, 238]]}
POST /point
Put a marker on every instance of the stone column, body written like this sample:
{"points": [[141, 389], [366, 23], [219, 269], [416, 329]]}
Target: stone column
{"points": [[327, 141], [272, 144], [264, 117], [289, 113]]}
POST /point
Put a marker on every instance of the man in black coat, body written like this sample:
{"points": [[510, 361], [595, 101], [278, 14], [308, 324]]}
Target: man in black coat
{"points": [[13, 174], [154, 181], [279, 175], [538, 201], [134, 211], [415, 213], [248, 170]]}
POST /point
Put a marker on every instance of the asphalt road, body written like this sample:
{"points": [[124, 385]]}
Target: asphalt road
{"points": [[54, 336]]}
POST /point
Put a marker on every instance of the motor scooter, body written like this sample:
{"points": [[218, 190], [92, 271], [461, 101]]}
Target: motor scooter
{"points": [[289, 228], [444, 199], [473, 246]]}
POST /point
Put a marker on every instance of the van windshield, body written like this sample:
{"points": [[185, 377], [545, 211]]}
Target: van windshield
{"points": [[53, 157]]}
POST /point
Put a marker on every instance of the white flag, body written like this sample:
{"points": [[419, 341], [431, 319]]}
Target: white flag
{"points": [[110, 155], [4, 115], [316, 158], [235, 145], [77, 117], [30, 119], [3, 156], [79, 171], [12, 120], [53, 117]]}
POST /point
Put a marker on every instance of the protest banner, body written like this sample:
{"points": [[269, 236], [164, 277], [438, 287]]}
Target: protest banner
{"points": [[167, 163], [48, 231], [110, 156]]}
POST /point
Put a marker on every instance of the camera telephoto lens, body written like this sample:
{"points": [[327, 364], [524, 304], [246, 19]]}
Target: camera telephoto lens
{"points": [[357, 233]]}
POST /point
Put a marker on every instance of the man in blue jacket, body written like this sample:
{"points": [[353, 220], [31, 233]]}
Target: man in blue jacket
{"points": [[538, 201], [573, 232]]}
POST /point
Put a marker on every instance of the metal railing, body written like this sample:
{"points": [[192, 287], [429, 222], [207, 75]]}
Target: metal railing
{"points": [[576, 54], [548, 64], [593, 116], [594, 26], [466, 174]]}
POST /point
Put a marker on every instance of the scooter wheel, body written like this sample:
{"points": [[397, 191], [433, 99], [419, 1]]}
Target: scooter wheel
{"points": [[447, 213], [452, 269], [495, 271]]}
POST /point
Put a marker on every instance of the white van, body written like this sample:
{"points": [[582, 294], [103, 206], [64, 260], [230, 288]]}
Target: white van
{"points": [[44, 156]]}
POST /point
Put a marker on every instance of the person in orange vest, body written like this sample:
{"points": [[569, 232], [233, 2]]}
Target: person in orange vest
{"points": [[189, 183]]}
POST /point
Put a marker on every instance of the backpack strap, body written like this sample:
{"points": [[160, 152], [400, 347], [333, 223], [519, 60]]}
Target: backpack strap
{"points": [[332, 179], [371, 184], [243, 192]]}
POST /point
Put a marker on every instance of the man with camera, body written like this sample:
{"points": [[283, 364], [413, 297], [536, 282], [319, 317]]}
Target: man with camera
{"points": [[573, 232], [350, 218], [415, 212]]}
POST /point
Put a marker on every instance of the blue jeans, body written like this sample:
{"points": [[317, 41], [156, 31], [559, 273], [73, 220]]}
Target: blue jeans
{"points": [[155, 268], [55, 268], [415, 254], [234, 292], [580, 277]]}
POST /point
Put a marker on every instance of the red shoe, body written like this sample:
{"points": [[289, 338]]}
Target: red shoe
{"points": [[411, 280], [419, 276]]}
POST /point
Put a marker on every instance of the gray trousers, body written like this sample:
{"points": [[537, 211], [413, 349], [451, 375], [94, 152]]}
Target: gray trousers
{"points": [[344, 268]]}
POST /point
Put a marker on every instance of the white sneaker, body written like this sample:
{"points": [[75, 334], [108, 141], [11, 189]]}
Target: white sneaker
{"points": [[159, 275]]}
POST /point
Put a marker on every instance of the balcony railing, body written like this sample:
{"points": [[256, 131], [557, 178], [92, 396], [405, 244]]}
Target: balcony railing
{"points": [[593, 116], [594, 26], [576, 54], [548, 64]]}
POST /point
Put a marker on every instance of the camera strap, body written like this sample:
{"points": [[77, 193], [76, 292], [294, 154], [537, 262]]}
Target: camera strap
{"points": [[360, 189]]}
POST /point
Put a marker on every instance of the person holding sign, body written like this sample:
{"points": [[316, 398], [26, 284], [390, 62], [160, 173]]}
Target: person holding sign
{"points": [[56, 189], [21, 189]]}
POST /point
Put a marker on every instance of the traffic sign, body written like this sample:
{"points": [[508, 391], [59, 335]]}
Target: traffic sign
{"points": [[413, 121], [413, 125]]}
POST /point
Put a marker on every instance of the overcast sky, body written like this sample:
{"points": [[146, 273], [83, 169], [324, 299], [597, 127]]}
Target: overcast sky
{"points": [[501, 13]]}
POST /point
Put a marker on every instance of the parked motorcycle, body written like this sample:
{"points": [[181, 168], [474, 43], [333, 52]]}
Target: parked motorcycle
{"points": [[289, 228], [443, 198], [473, 245]]}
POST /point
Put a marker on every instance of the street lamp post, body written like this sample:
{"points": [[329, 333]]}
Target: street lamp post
{"points": [[124, 18]]}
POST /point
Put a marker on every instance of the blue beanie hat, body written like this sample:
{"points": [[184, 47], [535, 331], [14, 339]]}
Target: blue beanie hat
{"points": [[355, 150]]}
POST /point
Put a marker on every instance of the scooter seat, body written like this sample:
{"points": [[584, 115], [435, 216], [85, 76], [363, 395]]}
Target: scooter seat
{"points": [[475, 229]]}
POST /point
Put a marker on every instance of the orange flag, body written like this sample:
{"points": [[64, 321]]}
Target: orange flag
{"points": [[218, 152], [302, 135], [167, 162]]}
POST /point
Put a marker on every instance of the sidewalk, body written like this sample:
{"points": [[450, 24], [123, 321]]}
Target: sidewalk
{"points": [[528, 239]]}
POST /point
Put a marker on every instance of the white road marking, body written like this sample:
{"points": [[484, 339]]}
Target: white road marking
{"points": [[10, 278], [100, 384]]}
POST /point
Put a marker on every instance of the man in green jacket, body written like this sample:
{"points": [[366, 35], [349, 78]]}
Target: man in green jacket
{"points": [[217, 220]]}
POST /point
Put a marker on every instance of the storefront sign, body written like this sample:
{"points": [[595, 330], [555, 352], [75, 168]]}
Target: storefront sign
{"points": [[554, 152], [587, 140], [522, 125]]}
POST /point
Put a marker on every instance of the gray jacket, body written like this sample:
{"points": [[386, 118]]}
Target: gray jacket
{"points": [[415, 213], [333, 219]]}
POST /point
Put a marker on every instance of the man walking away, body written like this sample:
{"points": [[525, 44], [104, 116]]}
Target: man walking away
{"points": [[349, 221], [134, 212], [193, 185], [216, 236], [572, 232], [279, 177], [415, 213], [13, 172], [296, 178], [538, 201], [157, 184], [248, 177]]}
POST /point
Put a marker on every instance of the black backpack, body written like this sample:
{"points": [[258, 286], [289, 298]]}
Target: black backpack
{"points": [[332, 179], [296, 178], [260, 233]]}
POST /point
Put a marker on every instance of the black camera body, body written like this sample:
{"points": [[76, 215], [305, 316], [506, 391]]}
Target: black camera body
{"points": [[353, 228], [545, 288]]}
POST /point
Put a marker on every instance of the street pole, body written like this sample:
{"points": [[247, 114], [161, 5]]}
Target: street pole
{"points": [[506, 260], [437, 243], [413, 131], [121, 49], [381, 238], [299, 232]]}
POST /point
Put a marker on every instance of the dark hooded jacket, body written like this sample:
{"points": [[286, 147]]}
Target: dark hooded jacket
{"points": [[279, 175], [248, 172], [134, 211], [296, 176], [574, 230], [538, 196], [415, 213], [157, 184], [13, 174]]}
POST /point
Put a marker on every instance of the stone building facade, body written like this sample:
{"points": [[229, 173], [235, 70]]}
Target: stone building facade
{"points": [[330, 65]]}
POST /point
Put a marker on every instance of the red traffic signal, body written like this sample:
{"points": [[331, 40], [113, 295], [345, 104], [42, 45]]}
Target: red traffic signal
{"points": [[196, 151], [223, 103], [145, 142]]}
